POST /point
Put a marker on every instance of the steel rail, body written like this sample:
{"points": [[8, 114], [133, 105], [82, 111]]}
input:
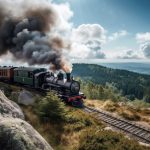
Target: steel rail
{"points": [[139, 132]]}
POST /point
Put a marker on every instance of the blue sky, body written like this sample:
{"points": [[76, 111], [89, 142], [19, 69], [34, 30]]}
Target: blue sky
{"points": [[112, 14], [116, 16], [97, 30]]}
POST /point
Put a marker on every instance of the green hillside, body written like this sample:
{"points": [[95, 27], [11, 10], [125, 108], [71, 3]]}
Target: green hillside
{"points": [[130, 84]]}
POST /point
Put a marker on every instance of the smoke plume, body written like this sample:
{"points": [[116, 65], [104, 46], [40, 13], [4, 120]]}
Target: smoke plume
{"points": [[26, 32]]}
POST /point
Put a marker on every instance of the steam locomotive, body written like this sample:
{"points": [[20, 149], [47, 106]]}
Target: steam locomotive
{"points": [[39, 78]]}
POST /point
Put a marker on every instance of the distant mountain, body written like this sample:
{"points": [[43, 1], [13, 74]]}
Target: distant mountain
{"points": [[132, 85], [135, 67]]}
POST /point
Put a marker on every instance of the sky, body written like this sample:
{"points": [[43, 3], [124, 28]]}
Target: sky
{"points": [[98, 30], [125, 23]]}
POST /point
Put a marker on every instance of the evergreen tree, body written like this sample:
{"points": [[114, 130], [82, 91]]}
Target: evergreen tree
{"points": [[51, 108]]}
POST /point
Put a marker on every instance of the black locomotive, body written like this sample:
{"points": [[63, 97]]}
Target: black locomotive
{"points": [[39, 78]]}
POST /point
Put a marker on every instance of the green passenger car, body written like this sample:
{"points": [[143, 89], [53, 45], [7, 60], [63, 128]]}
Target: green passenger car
{"points": [[26, 75]]}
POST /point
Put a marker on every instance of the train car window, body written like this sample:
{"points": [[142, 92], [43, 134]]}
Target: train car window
{"points": [[16, 73], [30, 74], [26, 74], [21, 73]]}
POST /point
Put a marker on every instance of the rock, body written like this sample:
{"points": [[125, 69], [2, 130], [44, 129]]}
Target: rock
{"points": [[26, 98], [14, 96], [9, 108], [108, 128], [15, 133]]}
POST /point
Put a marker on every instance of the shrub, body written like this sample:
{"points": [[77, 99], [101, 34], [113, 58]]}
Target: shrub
{"points": [[78, 120], [100, 92], [51, 108], [14, 96], [93, 139], [138, 104], [133, 116], [111, 106]]}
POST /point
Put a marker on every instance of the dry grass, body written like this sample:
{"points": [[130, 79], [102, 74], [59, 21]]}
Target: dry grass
{"points": [[130, 111], [68, 136], [130, 115], [62, 136], [94, 103], [51, 132]]}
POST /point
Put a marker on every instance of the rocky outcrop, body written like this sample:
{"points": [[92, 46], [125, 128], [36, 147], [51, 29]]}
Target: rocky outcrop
{"points": [[9, 108], [15, 133], [26, 98]]}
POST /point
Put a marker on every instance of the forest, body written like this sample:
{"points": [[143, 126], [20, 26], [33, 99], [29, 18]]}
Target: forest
{"points": [[129, 84]]}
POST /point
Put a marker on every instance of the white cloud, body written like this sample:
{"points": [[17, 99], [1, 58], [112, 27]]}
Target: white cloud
{"points": [[144, 40], [146, 49], [143, 37], [64, 14], [117, 35], [89, 32], [10, 60], [130, 54], [87, 40]]}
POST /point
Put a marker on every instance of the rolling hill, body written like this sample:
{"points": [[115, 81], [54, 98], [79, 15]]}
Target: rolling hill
{"points": [[132, 85]]}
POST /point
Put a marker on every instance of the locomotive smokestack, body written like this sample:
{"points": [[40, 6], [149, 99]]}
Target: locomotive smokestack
{"points": [[68, 75], [60, 76]]}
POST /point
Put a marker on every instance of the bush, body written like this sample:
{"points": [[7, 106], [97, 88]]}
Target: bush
{"points": [[51, 108], [106, 140], [132, 116], [78, 120], [110, 106], [99, 92]]}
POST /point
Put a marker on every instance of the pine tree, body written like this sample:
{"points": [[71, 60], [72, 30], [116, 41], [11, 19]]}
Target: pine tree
{"points": [[51, 108]]}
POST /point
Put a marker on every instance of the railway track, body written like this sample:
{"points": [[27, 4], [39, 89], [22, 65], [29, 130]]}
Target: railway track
{"points": [[138, 132]]}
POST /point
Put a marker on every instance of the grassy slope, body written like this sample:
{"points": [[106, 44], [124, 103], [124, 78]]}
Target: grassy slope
{"points": [[64, 136], [134, 111], [76, 132]]}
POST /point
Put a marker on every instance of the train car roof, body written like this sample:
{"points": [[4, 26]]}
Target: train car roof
{"points": [[7, 67], [32, 69]]}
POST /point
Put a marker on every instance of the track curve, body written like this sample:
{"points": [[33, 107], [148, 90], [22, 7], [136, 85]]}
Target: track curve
{"points": [[140, 133]]}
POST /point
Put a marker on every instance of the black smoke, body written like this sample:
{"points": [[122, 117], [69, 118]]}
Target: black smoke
{"points": [[28, 36]]}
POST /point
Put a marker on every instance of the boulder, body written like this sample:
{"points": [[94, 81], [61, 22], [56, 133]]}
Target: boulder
{"points": [[9, 108], [26, 98], [15, 133]]}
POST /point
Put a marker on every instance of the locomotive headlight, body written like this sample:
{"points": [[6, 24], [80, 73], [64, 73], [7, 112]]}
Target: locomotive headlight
{"points": [[75, 87]]}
